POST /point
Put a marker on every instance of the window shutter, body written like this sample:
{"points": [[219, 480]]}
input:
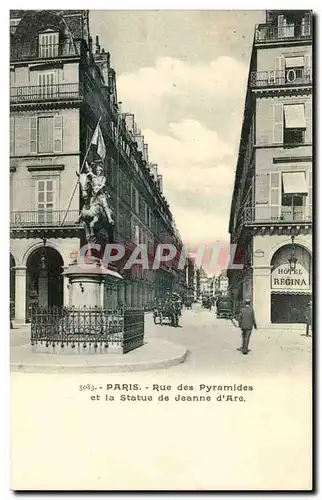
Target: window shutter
{"points": [[58, 134], [308, 121], [280, 70], [310, 193], [33, 135], [308, 65], [278, 123], [12, 136], [275, 195]]}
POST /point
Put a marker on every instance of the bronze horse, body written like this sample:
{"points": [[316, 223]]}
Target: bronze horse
{"points": [[92, 211]]}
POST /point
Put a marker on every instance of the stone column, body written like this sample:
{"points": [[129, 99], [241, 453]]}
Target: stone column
{"points": [[134, 291], [121, 294], [128, 287], [262, 295], [66, 293], [20, 299]]}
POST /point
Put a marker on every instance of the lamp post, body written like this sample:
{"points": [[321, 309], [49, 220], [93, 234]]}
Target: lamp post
{"points": [[292, 259]]}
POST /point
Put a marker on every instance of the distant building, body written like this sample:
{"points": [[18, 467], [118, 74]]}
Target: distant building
{"points": [[221, 283], [271, 208]]}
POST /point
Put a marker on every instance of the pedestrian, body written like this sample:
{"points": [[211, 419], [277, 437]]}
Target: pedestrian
{"points": [[308, 318], [246, 324]]}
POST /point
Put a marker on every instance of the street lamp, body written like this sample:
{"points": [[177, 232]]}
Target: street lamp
{"points": [[43, 257], [292, 259]]}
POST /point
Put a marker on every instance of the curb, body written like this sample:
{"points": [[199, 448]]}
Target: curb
{"points": [[104, 367]]}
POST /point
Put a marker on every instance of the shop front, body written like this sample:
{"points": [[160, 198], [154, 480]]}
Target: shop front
{"points": [[291, 284]]}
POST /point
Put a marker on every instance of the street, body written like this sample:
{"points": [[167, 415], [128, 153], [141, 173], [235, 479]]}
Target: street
{"points": [[213, 345]]}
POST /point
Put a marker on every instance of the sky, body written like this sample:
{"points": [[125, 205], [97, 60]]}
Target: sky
{"points": [[183, 74]]}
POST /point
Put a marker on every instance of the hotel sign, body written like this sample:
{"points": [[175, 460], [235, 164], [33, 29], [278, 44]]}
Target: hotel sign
{"points": [[284, 279]]}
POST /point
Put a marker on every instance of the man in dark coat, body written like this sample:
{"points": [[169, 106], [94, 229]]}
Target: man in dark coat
{"points": [[246, 324], [308, 318]]}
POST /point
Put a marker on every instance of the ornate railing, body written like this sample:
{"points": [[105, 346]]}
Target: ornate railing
{"points": [[64, 91], [86, 327], [296, 76], [276, 214], [265, 33], [26, 51], [43, 218], [133, 336]]}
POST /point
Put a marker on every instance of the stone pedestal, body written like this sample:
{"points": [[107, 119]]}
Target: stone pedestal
{"points": [[87, 283]]}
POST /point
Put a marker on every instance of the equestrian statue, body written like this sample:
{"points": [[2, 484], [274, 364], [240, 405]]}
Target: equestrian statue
{"points": [[95, 207]]}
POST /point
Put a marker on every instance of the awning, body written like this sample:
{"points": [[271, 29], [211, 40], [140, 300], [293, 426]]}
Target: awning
{"points": [[294, 116], [294, 62], [294, 183]]}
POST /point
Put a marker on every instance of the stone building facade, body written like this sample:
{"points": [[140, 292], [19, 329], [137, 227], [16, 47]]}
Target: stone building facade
{"points": [[61, 84], [271, 209]]}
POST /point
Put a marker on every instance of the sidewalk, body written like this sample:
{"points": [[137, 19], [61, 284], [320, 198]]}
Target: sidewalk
{"points": [[156, 353]]}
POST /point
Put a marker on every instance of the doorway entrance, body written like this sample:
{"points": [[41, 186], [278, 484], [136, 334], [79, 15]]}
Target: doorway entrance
{"points": [[44, 279]]}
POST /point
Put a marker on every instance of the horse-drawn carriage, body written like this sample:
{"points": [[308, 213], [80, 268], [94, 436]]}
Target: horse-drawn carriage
{"points": [[206, 302], [169, 309]]}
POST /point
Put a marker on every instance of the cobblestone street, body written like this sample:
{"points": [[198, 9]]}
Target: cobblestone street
{"points": [[213, 345]]}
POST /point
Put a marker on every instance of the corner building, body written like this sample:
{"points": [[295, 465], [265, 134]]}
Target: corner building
{"points": [[271, 208], [61, 84]]}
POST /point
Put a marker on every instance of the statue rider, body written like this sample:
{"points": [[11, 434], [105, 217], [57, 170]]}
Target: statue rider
{"points": [[99, 184]]}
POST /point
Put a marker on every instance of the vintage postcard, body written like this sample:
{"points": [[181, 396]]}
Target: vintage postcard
{"points": [[161, 250]]}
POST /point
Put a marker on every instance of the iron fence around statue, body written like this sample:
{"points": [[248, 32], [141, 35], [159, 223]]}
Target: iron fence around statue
{"points": [[133, 329], [87, 327]]}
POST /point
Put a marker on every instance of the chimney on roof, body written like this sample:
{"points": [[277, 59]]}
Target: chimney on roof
{"points": [[98, 48]]}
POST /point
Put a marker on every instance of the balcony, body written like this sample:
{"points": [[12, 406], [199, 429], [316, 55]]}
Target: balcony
{"points": [[32, 51], [267, 33], [45, 219], [277, 214], [289, 77], [36, 93]]}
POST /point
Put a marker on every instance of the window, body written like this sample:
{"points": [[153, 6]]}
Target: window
{"points": [[46, 134], [294, 69], [294, 124], [12, 136], [45, 194], [46, 83], [294, 191], [48, 44]]}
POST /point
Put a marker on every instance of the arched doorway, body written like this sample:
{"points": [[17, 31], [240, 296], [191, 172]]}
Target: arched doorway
{"points": [[12, 286], [291, 284], [44, 279]]}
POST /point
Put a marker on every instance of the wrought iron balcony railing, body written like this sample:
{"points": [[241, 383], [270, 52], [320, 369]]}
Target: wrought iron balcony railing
{"points": [[30, 51], [265, 33], [289, 77], [276, 214], [64, 91], [37, 218]]}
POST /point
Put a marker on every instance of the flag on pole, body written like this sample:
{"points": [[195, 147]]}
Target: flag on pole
{"points": [[98, 141]]}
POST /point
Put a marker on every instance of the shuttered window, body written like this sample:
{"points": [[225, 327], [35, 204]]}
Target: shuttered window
{"points": [[278, 124], [275, 195], [45, 199], [58, 134], [48, 45], [33, 134], [310, 192], [12, 136], [46, 83], [308, 121], [46, 134]]}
